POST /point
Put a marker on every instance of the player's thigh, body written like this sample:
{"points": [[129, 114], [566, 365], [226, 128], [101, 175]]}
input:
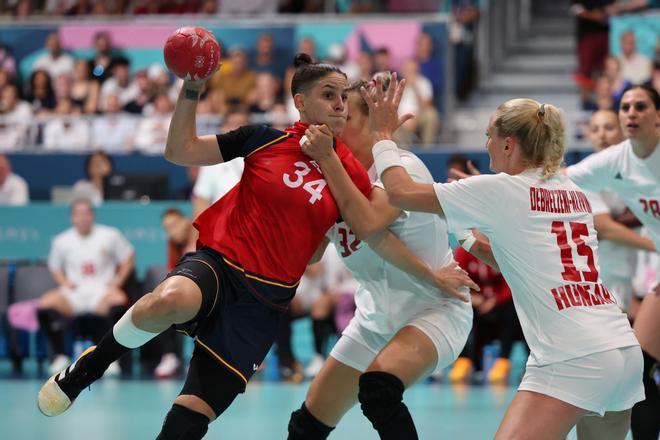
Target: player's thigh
{"points": [[56, 300], [177, 299], [409, 355], [613, 425], [333, 391], [647, 325], [535, 416]]}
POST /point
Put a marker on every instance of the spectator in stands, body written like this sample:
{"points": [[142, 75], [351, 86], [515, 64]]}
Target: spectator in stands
{"points": [[266, 58], [161, 82], [465, 15], [382, 60], [104, 56], [186, 192], [13, 188], [655, 76], [592, 42], [40, 94], [98, 166], [338, 55], [278, 117], [7, 61], [250, 6], [151, 132], [604, 99], [114, 130], [119, 83], [618, 83], [5, 78], [15, 116], [55, 62], [65, 132], [90, 262], [80, 7], [635, 67], [366, 65], [417, 99], [57, 7], [265, 94], [84, 90], [429, 66], [144, 96], [62, 88], [232, 87]]}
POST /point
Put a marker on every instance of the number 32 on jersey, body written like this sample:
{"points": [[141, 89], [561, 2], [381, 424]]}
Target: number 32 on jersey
{"points": [[314, 187]]}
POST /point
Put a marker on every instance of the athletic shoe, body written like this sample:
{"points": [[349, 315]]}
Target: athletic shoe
{"points": [[60, 362], [292, 373], [460, 371], [168, 367], [314, 366], [499, 373], [59, 392]]}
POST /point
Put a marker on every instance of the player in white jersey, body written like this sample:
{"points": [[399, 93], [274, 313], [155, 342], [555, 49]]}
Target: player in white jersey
{"points": [[631, 169], [403, 329], [584, 358], [90, 263], [616, 242]]}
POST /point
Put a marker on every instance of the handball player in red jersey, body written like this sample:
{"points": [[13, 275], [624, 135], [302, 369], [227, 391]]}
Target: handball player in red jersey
{"points": [[254, 245]]}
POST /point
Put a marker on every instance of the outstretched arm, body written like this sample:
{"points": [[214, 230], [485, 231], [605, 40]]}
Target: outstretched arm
{"points": [[610, 229], [183, 146]]}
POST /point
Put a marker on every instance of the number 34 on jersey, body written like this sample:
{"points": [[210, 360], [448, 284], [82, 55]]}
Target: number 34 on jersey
{"points": [[296, 179]]}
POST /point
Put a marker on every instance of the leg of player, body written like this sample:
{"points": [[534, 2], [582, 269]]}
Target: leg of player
{"points": [[409, 356], [536, 416], [331, 394], [613, 425], [174, 301], [647, 324], [208, 391]]}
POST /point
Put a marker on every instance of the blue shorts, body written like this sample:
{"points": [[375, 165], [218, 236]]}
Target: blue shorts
{"points": [[232, 325]]}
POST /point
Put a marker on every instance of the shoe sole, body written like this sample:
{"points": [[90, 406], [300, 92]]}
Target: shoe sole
{"points": [[52, 400]]}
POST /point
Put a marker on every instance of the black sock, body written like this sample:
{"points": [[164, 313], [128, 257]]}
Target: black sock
{"points": [[645, 423], [52, 324], [107, 351], [381, 399], [182, 423], [321, 330]]}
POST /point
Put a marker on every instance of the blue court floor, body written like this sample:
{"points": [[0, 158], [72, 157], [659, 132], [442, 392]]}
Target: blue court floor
{"points": [[134, 409]]}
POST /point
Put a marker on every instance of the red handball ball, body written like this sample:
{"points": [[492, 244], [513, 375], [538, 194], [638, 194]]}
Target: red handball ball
{"points": [[192, 53]]}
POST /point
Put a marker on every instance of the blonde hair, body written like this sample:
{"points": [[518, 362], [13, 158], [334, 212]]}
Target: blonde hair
{"points": [[384, 77], [540, 130]]}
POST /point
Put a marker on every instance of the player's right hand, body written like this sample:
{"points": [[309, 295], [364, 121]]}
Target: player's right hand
{"points": [[451, 278]]}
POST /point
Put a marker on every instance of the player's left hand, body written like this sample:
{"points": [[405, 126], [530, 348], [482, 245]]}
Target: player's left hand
{"points": [[319, 142], [451, 278]]}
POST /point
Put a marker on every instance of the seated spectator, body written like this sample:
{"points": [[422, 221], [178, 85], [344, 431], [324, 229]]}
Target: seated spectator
{"points": [[151, 133], [232, 86], [266, 59], [429, 65], [417, 99], [655, 77], [635, 67], [382, 60], [62, 88], [119, 83], [619, 84], [65, 131], [104, 56], [15, 115], [55, 62], [263, 97], [114, 130], [84, 90], [338, 55], [89, 262], [144, 95], [13, 188], [98, 166], [41, 94], [7, 61]]}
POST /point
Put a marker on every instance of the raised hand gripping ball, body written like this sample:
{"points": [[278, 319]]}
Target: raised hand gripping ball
{"points": [[191, 53]]}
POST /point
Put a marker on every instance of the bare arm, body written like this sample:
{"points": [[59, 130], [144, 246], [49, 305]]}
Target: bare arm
{"points": [[61, 279], [482, 250], [407, 194], [609, 229], [449, 278], [123, 271], [183, 146]]}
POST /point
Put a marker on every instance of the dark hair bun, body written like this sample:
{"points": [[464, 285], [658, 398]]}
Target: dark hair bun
{"points": [[302, 59]]}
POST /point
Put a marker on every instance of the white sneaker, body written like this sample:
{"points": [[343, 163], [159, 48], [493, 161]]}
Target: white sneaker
{"points": [[60, 362], [314, 366], [168, 367], [114, 370]]}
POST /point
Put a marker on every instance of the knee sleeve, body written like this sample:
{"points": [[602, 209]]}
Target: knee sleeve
{"points": [[381, 399], [182, 423], [211, 382], [304, 426]]}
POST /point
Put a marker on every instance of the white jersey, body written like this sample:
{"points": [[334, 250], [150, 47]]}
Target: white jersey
{"points": [[387, 297], [635, 180], [91, 259], [215, 181], [543, 239]]}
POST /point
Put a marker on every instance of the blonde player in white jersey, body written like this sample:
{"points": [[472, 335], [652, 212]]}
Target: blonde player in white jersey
{"points": [[631, 169], [584, 359], [403, 329]]}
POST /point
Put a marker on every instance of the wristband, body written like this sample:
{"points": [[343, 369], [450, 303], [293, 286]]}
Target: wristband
{"points": [[386, 155], [467, 238], [191, 94]]}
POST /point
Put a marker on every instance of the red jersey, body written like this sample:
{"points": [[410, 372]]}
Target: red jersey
{"points": [[271, 223], [490, 281]]}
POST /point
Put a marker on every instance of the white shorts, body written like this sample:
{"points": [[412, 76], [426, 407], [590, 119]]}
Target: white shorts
{"points": [[85, 298], [600, 382], [447, 327]]}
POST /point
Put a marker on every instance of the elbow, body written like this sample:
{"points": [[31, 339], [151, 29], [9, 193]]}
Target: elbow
{"points": [[397, 197]]}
